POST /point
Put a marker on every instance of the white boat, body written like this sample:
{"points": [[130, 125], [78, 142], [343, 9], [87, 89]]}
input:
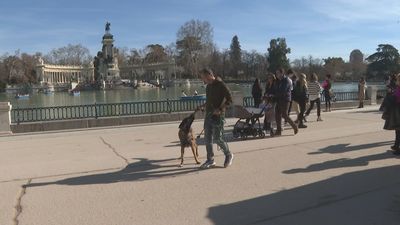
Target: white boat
{"points": [[74, 91], [22, 96], [194, 97], [144, 85]]}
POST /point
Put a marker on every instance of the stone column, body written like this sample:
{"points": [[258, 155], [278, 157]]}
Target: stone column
{"points": [[237, 100], [372, 93], [5, 117]]}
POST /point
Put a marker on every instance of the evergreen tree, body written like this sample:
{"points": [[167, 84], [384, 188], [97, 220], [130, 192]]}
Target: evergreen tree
{"points": [[384, 62], [235, 55], [277, 54]]}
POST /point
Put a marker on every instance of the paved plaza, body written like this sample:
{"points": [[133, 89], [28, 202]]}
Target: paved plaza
{"points": [[339, 171]]}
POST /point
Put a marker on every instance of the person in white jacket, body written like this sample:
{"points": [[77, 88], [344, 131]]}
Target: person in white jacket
{"points": [[314, 91]]}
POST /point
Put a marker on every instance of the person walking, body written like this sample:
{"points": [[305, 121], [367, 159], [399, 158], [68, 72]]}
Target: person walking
{"points": [[270, 114], [282, 94], [327, 85], [218, 97], [300, 95], [361, 92], [391, 115], [293, 104], [314, 91], [256, 92]]}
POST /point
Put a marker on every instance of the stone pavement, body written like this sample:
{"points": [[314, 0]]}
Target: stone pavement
{"points": [[339, 171]]}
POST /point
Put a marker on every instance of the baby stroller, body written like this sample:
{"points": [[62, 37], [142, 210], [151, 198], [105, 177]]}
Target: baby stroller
{"points": [[248, 123]]}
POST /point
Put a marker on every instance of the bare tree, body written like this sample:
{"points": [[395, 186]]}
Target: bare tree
{"points": [[69, 55], [194, 45]]}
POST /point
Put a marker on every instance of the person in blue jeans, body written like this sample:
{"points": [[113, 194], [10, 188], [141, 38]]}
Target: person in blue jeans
{"points": [[218, 97]]}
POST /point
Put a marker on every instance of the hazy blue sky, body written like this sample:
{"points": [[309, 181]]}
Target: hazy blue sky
{"points": [[311, 27]]}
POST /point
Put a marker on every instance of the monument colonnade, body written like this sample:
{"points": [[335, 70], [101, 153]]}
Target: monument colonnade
{"points": [[60, 74]]}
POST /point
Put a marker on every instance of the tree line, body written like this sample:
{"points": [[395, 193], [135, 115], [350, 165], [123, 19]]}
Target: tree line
{"points": [[194, 48]]}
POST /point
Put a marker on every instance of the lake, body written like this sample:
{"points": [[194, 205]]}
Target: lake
{"points": [[130, 95]]}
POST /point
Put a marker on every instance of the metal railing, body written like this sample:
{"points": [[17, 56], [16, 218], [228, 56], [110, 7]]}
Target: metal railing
{"points": [[338, 96], [23, 115]]}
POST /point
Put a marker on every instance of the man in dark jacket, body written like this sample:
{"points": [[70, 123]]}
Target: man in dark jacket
{"points": [[282, 94], [218, 97]]}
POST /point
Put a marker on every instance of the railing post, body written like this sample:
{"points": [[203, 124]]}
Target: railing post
{"points": [[95, 110], [5, 117], [169, 110], [17, 115]]}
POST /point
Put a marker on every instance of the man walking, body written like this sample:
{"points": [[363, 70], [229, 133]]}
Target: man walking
{"points": [[218, 97], [282, 94]]}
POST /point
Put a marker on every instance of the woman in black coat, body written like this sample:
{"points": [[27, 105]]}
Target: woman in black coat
{"points": [[256, 91]]}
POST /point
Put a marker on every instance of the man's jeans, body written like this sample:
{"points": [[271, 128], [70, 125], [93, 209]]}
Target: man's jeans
{"points": [[214, 131]]}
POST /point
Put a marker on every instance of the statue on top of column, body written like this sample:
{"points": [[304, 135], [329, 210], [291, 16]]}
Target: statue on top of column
{"points": [[108, 24]]}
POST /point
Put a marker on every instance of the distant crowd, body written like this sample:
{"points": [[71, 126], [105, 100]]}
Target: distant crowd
{"points": [[287, 91]]}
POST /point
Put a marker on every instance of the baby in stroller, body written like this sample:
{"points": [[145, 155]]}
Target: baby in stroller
{"points": [[249, 121]]}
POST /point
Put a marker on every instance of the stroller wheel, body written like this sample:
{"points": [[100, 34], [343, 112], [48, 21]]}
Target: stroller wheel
{"points": [[261, 134], [243, 136], [235, 134]]}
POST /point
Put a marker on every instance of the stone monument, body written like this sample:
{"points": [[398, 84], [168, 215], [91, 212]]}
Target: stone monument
{"points": [[106, 62]]}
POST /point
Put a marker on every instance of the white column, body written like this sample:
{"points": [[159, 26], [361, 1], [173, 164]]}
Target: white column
{"points": [[5, 117]]}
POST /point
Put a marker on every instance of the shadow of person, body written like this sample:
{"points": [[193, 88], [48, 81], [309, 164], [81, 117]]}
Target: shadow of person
{"points": [[342, 148], [143, 169], [363, 197], [343, 162]]}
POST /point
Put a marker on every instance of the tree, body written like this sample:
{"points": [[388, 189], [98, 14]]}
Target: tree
{"points": [[155, 54], [277, 54], [122, 56], [384, 62], [69, 55], [335, 66], [255, 65], [216, 63], [194, 45], [308, 65], [188, 54], [136, 57], [235, 55]]}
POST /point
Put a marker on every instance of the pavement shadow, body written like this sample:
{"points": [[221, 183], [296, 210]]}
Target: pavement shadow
{"points": [[340, 163], [228, 136], [376, 111], [357, 198], [342, 148], [144, 169]]}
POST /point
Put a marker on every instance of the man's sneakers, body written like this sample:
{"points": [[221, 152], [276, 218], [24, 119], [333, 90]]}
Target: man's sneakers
{"points": [[302, 126], [208, 164], [228, 160], [211, 163]]}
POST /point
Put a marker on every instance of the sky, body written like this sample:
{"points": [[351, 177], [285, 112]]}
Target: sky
{"points": [[331, 28]]}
